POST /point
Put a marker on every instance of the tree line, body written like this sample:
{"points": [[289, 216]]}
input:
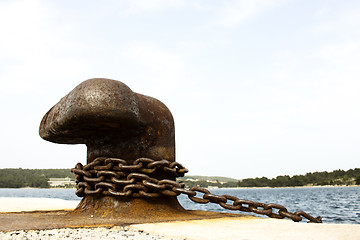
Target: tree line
{"points": [[337, 177], [37, 178]]}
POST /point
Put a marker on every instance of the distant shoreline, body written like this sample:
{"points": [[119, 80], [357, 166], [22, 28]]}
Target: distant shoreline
{"points": [[317, 186], [211, 188]]}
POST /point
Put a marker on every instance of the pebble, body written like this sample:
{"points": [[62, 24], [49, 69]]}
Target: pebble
{"points": [[124, 232]]}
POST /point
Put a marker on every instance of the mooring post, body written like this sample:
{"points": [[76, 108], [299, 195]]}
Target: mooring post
{"points": [[118, 126]]}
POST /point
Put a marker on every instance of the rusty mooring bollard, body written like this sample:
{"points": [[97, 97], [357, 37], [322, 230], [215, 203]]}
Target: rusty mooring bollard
{"points": [[115, 122]]}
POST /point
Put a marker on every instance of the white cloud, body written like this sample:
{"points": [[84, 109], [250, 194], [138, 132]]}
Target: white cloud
{"points": [[334, 19], [158, 67], [336, 52], [131, 7], [32, 49], [238, 11], [23, 24]]}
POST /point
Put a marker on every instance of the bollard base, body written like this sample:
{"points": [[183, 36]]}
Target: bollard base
{"points": [[105, 212], [134, 208]]}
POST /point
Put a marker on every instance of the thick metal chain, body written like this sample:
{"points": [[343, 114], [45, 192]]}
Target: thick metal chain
{"points": [[115, 177]]}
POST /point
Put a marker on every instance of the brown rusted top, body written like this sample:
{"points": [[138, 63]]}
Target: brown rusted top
{"points": [[113, 121]]}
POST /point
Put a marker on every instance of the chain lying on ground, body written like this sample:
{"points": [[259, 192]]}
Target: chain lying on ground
{"points": [[115, 177]]}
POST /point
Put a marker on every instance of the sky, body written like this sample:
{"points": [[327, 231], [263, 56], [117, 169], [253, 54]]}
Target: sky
{"points": [[257, 88]]}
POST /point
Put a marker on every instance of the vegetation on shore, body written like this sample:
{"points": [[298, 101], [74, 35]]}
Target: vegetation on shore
{"points": [[38, 178], [334, 178]]}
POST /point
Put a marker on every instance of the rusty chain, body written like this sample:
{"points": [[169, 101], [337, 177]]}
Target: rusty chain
{"points": [[115, 177]]}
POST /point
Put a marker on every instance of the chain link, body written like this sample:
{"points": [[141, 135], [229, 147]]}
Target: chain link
{"points": [[115, 177]]}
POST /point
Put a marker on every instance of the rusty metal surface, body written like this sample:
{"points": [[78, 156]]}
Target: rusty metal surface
{"points": [[67, 219], [113, 121]]}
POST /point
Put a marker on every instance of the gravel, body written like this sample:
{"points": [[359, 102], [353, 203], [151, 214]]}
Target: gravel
{"points": [[84, 233]]}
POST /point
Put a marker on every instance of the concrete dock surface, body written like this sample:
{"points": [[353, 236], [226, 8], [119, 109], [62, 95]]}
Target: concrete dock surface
{"points": [[8, 204], [242, 228], [251, 228]]}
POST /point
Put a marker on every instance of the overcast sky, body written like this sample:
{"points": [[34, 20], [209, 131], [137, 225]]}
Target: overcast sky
{"points": [[257, 88]]}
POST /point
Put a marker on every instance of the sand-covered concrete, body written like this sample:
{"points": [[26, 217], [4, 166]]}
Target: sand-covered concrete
{"points": [[8, 204], [252, 229], [113, 233]]}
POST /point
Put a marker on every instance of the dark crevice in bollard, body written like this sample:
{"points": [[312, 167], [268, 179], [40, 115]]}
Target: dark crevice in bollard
{"points": [[136, 208]]}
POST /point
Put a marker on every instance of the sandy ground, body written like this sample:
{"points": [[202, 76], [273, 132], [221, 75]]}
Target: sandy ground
{"points": [[114, 233], [252, 229], [31, 204]]}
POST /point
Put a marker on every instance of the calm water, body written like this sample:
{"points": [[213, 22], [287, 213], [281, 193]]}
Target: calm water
{"points": [[334, 204]]}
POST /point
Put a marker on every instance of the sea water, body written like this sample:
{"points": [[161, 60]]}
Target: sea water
{"points": [[334, 204]]}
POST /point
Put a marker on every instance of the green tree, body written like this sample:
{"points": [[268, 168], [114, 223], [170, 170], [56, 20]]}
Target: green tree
{"points": [[357, 180]]}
